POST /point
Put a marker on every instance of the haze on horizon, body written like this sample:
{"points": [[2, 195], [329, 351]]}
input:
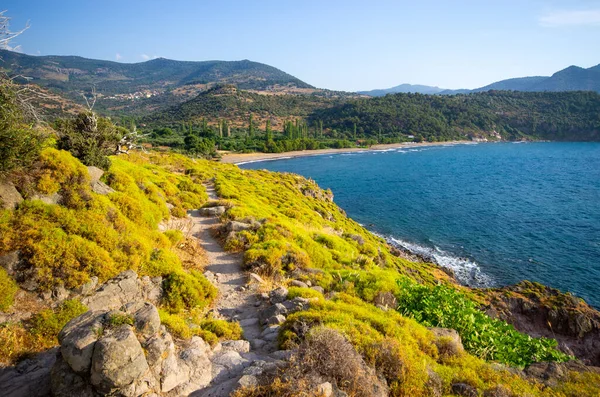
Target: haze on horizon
{"points": [[340, 45]]}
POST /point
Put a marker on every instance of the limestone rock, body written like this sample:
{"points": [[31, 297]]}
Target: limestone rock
{"points": [[297, 304], [146, 318], [77, 340], [318, 289], [463, 389], [66, 383], [271, 311], [116, 292], [101, 188], [29, 378], [89, 287], [10, 262], [248, 381], [51, 199], [234, 226], [9, 196], [448, 341], [118, 360], [278, 319], [240, 346], [95, 173]]}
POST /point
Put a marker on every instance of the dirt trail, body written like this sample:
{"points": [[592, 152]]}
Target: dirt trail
{"points": [[235, 301]]}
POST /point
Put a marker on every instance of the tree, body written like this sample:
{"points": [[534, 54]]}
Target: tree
{"points": [[250, 126], [90, 138], [268, 132], [6, 36]]}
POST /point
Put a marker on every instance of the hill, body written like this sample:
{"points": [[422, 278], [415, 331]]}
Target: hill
{"points": [[155, 81], [573, 78], [404, 88]]}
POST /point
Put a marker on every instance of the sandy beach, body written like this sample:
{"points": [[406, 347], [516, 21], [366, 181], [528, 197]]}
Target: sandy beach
{"points": [[240, 158]]}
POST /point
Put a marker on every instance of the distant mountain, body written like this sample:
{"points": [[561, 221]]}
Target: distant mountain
{"points": [[71, 75], [573, 78], [404, 88]]}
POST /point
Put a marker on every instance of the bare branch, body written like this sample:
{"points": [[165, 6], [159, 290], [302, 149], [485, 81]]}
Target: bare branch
{"points": [[5, 34], [93, 98]]}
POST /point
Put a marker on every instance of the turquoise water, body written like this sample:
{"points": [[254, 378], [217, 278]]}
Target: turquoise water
{"points": [[494, 213]]}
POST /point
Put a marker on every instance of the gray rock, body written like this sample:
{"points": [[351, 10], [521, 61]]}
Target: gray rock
{"points": [[213, 211], [257, 344], [275, 320], [29, 378], [448, 341], [298, 283], [240, 346], [278, 295], [10, 261], [196, 358], [271, 311], [248, 381], [89, 287], [9, 196], [118, 360], [234, 226], [229, 359], [95, 173], [77, 340], [116, 292], [248, 322], [101, 188], [145, 314], [297, 304], [66, 383], [60, 293], [318, 289]]}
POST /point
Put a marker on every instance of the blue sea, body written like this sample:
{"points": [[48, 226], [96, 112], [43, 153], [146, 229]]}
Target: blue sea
{"points": [[494, 213]]}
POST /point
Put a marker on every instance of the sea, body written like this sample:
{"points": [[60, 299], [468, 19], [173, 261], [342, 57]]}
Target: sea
{"points": [[494, 213]]}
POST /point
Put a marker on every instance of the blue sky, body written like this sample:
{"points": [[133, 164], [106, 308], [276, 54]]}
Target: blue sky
{"points": [[344, 45]]}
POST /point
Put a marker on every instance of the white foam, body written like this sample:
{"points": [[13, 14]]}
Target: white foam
{"points": [[466, 271], [261, 160]]}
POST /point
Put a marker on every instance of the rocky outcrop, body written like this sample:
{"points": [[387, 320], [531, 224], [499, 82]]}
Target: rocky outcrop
{"points": [[96, 184], [538, 310], [128, 353], [213, 211], [124, 288]]}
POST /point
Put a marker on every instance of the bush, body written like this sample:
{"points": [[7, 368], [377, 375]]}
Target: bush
{"points": [[212, 330], [48, 323], [184, 291], [175, 324], [8, 289], [487, 338]]}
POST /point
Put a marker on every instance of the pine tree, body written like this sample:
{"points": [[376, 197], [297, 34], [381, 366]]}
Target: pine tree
{"points": [[268, 133], [250, 126]]}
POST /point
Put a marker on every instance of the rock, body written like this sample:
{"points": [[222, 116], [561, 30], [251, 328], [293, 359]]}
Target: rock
{"points": [[152, 288], [318, 289], [95, 173], [298, 283], [118, 360], [434, 385], [229, 359], [240, 346], [271, 311], [448, 342], [463, 389], [275, 320], [9, 196], [213, 211], [77, 340], [196, 358], [29, 378], [273, 329], [234, 226], [10, 261], [255, 278], [116, 292], [51, 199], [60, 293], [248, 381], [89, 287], [297, 304], [278, 295], [101, 188], [66, 383], [257, 344], [146, 318], [386, 300], [325, 389]]}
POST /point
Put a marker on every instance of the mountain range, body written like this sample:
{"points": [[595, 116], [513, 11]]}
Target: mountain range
{"points": [[573, 78]]}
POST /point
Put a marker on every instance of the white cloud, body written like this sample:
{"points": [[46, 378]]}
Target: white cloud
{"points": [[145, 57], [118, 57], [561, 18]]}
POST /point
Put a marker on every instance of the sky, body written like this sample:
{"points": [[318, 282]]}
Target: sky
{"points": [[341, 45]]}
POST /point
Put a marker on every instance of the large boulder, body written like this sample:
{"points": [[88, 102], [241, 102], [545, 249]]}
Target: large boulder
{"points": [[124, 288]]}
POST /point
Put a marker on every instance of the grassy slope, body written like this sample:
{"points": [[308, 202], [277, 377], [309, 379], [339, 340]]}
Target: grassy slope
{"points": [[297, 231]]}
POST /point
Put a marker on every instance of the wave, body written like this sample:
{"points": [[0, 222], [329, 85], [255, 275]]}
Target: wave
{"points": [[466, 271]]}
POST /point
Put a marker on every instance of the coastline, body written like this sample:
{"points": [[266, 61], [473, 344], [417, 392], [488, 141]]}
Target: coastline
{"points": [[242, 158]]}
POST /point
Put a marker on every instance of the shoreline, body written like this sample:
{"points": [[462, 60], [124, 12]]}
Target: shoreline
{"points": [[244, 158]]}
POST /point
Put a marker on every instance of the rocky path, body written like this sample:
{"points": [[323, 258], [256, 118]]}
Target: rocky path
{"points": [[237, 301]]}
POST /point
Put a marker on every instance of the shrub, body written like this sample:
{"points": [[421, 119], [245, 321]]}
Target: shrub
{"points": [[8, 289], [175, 324], [184, 291], [490, 339], [117, 319], [47, 324], [174, 236], [294, 292], [212, 330]]}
